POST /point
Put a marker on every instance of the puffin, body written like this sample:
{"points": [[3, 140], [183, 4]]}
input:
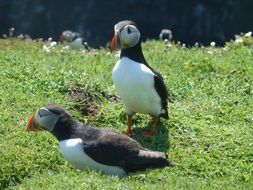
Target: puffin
{"points": [[95, 148], [141, 88], [74, 39], [165, 34]]}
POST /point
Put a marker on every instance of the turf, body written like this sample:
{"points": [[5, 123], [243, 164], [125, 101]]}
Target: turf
{"points": [[208, 135]]}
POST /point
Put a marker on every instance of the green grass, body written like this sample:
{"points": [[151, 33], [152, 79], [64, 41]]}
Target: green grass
{"points": [[209, 134]]}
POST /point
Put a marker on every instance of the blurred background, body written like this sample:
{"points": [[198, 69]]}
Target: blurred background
{"points": [[190, 20]]}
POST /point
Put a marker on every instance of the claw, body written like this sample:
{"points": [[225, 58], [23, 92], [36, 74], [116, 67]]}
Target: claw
{"points": [[151, 133]]}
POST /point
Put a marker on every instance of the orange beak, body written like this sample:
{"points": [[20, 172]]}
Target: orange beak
{"points": [[62, 38], [113, 43], [31, 126]]}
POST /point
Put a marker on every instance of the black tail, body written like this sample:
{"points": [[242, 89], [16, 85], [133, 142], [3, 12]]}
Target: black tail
{"points": [[164, 112], [147, 159]]}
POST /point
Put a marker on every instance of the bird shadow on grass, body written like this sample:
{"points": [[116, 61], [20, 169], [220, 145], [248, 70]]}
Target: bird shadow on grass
{"points": [[161, 141]]}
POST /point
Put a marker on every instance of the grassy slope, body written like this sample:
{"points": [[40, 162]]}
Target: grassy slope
{"points": [[209, 133]]}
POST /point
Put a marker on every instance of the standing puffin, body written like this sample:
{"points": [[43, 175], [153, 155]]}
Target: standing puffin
{"points": [[98, 149], [140, 87], [74, 39]]}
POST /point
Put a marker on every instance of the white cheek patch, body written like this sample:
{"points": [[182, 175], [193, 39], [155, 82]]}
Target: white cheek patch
{"points": [[129, 39], [47, 121], [115, 28]]}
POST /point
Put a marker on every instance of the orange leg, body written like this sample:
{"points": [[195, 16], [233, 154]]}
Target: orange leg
{"points": [[129, 131], [151, 133]]}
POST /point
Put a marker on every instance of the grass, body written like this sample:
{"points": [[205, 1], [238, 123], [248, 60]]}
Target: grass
{"points": [[209, 133]]}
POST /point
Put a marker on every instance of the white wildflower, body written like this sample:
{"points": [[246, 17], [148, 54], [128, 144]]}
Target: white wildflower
{"points": [[83, 51], [237, 36], [46, 49], [66, 47], [169, 45], [225, 49], [248, 34], [212, 44], [239, 40], [53, 43]]}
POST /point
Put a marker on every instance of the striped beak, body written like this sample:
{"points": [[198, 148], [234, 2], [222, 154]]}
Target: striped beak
{"points": [[62, 39], [115, 43], [32, 125]]}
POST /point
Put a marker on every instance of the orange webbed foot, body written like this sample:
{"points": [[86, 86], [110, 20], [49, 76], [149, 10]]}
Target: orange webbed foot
{"points": [[149, 134], [128, 133]]}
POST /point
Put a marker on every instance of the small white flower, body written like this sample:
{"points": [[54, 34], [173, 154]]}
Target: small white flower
{"points": [[237, 36], [210, 52], [83, 52], [212, 44], [66, 47], [117, 54], [46, 49], [168, 45], [53, 43], [248, 34], [239, 40]]}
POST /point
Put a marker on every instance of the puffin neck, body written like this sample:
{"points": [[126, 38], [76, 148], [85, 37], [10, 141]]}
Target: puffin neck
{"points": [[134, 53], [65, 127]]}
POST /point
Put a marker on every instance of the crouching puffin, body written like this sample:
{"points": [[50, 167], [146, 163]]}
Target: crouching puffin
{"points": [[74, 39], [98, 149], [140, 87]]}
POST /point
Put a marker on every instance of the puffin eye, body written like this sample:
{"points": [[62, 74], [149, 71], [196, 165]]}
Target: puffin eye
{"points": [[129, 30]]}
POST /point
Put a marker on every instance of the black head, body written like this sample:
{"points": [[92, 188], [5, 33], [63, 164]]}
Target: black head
{"points": [[126, 35], [52, 118], [127, 38], [68, 36]]}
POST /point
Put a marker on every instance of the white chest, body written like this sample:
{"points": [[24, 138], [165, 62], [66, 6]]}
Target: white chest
{"points": [[72, 150], [77, 43], [134, 83]]}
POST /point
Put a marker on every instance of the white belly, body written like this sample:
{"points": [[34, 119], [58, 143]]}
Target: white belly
{"points": [[134, 83], [77, 43], [72, 150]]}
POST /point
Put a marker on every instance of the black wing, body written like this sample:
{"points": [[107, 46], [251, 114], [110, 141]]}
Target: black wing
{"points": [[162, 92], [160, 88], [115, 149], [110, 148]]}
